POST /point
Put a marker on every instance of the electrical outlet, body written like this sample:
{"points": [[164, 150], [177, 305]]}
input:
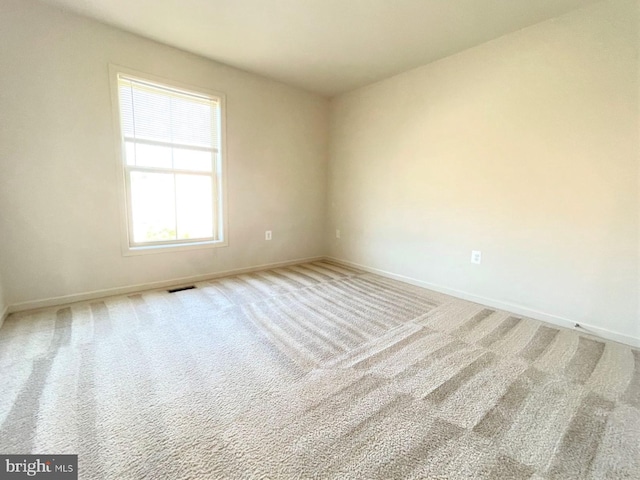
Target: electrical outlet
{"points": [[267, 235], [476, 256], [337, 233]]}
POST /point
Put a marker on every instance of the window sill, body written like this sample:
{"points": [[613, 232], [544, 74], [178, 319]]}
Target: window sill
{"points": [[128, 251]]}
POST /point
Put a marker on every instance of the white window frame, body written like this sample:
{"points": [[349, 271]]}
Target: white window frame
{"points": [[128, 247]]}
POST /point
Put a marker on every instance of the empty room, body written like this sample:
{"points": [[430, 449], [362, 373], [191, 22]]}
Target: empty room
{"points": [[320, 239]]}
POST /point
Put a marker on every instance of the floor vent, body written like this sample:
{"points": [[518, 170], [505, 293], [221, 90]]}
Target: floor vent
{"points": [[180, 289]]}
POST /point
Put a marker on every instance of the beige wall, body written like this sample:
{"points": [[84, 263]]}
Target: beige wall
{"points": [[59, 223], [525, 148], [3, 303]]}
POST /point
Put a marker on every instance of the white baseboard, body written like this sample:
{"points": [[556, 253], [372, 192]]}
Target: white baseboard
{"points": [[176, 282], [3, 315], [510, 307]]}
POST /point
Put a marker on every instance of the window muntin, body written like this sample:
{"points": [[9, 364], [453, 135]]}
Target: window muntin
{"points": [[172, 160]]}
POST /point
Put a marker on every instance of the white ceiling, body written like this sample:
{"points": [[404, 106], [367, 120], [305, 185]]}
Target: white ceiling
{"points": [[325, 46]]}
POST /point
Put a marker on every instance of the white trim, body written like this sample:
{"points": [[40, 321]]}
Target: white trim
{"points": [[136, 168], [176, 282], [183, 146], [178, 246], [510, 307], [4, 315]]}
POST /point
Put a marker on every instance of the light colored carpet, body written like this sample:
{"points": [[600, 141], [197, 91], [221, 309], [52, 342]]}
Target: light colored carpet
{"points": [[315, 371]]}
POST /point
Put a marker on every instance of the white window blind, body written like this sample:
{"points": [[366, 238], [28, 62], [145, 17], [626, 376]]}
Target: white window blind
{"points": [[157, 114], [171, 152]]}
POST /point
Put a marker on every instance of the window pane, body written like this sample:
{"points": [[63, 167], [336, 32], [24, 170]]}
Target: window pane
{"points": [[153, 207], [130, 153], [196, 160], [195, 206], [153, 156]]}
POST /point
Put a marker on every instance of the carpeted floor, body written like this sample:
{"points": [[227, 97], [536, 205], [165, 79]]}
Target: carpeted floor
{"points": [[315, 371]]}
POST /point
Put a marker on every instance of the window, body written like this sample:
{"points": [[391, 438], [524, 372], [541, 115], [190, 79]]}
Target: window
{"points": [[171, 152]]}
